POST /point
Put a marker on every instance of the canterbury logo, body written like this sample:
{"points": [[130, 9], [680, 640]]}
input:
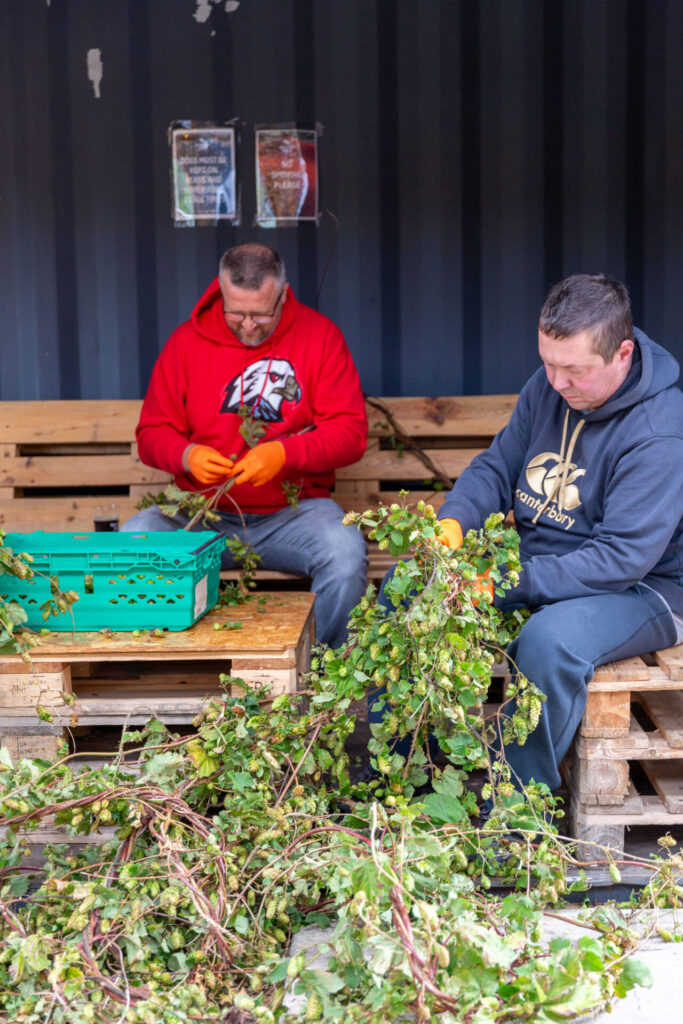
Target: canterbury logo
{"points": [[545, 475]]}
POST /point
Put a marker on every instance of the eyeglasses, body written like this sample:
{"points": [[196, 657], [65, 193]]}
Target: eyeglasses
{"points": [[257, 318]]}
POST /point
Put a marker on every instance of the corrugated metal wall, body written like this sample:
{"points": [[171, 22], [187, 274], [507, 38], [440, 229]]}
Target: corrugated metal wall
{"points": [[473, 153]]}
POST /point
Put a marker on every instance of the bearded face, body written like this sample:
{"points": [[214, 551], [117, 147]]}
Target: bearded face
{"points": [[263, 387]]}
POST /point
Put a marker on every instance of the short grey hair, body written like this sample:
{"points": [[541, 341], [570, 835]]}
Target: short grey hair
{"points": [[248, 266]]}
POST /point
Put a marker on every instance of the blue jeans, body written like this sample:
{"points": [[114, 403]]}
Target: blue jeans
{"points": [[308, 541], [558, 649]]}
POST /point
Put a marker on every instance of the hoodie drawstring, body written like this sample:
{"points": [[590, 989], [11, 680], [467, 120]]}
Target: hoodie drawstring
{"points": [[563, 467]]}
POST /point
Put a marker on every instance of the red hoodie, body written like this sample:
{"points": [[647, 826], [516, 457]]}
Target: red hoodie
{"points": [[301, 383]]}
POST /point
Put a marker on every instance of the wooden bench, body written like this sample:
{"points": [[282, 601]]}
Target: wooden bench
{"points": [[60, 460]]}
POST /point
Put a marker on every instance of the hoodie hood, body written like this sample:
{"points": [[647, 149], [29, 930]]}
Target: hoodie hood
{"points": [[208, 320], [655, 371]]}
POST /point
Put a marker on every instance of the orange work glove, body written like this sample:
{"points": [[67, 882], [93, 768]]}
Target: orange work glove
{"points": [[484, 586], [260, 464], [451, 536], [207, 465]]}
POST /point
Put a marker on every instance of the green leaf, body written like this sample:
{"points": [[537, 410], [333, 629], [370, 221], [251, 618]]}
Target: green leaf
{"points": [[444, 808], [592, 962], [17, 885], [163, 766], [450, 783], [322, 982], [243, 781], [364, 877], [279, 971], [384, 950], [635, 972]]}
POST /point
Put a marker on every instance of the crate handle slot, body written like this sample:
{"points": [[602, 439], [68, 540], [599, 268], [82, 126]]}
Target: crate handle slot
{"points": [[206, 544]]}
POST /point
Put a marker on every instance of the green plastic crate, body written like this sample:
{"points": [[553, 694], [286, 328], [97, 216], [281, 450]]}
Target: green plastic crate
{"points": [[125, 581]]}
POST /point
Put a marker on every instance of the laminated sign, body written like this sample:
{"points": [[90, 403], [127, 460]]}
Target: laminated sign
{"points": [[203, 175], [286, 176]]}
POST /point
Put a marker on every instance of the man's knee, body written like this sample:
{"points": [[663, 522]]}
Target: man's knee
{"points": [[150, 520], [345, 546], [347, 550], [542, 640]]}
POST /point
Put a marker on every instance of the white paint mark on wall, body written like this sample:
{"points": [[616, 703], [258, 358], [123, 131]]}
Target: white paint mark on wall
{"points": [[95, 70], [203, 8]]}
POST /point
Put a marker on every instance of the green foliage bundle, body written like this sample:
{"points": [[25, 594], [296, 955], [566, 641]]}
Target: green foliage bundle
{"points": [[224, 844]]}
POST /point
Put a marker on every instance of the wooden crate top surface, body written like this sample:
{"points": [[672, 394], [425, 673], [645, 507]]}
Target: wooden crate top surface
{"points": [[279, 629]]}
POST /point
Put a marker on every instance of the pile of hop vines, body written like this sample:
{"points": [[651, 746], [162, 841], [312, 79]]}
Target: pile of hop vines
{"points": [[214, 849]]}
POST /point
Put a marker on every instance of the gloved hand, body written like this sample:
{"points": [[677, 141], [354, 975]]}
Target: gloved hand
{"points": [[451, 536], [260, 464], [483, 586], [207, 465]]}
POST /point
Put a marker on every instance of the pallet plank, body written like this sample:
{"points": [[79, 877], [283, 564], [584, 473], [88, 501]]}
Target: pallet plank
{"points": [[606, 749], [626, 670], [666, 711], [607, 714], [667, 779], [78, 471], [369, 495], [671, 660], [384, 465], [22, 515], [462, 415], [25, 690], [600, 781], [69, 421], [653, 812], [656, 679], [273, 633], [30, 746]]}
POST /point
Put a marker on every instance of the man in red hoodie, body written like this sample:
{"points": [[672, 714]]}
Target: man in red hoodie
{"points": [[251, 349]]}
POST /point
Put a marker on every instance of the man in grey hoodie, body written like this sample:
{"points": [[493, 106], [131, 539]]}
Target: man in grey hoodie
{"points": [[591, 463]]}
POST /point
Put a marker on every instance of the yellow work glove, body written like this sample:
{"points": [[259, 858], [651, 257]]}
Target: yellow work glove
{"points": [[207, 465], [451, 536], [260, 464]]}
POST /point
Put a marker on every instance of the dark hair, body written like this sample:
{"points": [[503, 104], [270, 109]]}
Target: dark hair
{"points": [[247, 266], [589, 302]]}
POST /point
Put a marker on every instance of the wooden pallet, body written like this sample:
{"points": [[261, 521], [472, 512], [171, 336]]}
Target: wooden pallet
{"points": [[119, 679], [60, 460], [622, 696]]}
